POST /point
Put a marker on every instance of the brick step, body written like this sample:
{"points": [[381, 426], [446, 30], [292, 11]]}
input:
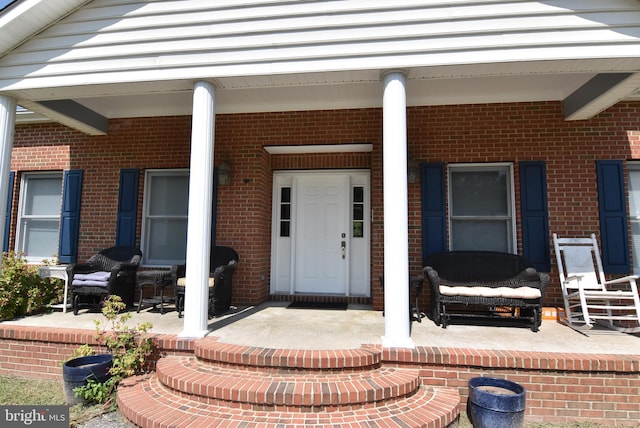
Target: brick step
{"points": [[210, 349], [291, 391], [148, 404]]}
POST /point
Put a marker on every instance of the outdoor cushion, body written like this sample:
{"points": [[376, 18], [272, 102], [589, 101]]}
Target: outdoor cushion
{"points": [[182, 282], [506, 292], [93, 276], [95, 279]]}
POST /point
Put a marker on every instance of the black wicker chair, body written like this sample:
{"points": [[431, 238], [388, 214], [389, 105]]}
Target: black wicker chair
{"points": [[493, 282], [111, 271], [223, 263]]}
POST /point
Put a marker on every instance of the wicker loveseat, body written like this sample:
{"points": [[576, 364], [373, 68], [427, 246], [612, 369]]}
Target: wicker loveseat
{"points": [[484, 284]]}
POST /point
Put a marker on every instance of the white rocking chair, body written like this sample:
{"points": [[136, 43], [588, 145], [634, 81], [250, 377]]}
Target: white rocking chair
{"points": [[588, 297]]}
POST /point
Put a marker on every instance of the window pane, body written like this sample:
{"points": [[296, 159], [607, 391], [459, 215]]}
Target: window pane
{"points": [[285, 229], [169, 243], [40, 238], [43, 196], [487, 235], [285, 194], [635, 245], [169, 195], [358, 229], [285, 212], [634, 193], [358, 212], [479, 193], [358, 194], [634, 213]]}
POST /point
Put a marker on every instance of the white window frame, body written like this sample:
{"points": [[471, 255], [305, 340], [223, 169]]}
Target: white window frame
{"points": [[511, 215], [23, 218], [145, 234], [634, 216]]}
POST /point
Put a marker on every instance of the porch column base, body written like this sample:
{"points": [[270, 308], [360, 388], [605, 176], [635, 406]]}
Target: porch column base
{"points": [[397, 342]]}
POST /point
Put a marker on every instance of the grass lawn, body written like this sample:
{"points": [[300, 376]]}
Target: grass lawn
{"points": [[19, 391]]}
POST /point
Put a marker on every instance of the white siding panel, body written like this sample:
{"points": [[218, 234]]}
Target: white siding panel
{"points": [[111, 41]]}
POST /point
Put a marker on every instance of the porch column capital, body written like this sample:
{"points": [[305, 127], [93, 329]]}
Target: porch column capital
{"points": [[396, 223], [8, 107], [196, 300]]}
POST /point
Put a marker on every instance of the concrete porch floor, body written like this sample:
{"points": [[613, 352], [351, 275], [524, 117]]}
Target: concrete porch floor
{"points": [[273, 325]]}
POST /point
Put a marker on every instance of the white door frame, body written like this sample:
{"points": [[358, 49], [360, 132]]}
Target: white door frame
{"points": [[283, 248]]}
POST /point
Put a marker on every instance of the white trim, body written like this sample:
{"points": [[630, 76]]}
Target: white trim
{"points": [[20, 243], [283, 248], [320, 148], [146, 199]]}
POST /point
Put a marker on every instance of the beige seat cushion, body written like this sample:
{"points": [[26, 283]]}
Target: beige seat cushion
{"points": [[506, 292], [182, 282]]}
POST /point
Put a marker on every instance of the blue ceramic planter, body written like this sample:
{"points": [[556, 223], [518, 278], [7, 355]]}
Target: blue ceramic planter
{"points": [[77, 371], [496, 403]]}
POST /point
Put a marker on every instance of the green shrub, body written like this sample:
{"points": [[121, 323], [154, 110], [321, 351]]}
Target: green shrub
{"points": [[22, 291], [130, 348]]}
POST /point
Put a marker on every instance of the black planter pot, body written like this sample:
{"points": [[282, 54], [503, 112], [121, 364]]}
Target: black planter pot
{"points": [[77, 371], [496, 403]]}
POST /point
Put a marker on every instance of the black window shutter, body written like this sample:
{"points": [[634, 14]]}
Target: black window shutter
{"points": [[7, 218], [612, 206], [535, 217], [434, 221], [70, 216], [127, 207]]}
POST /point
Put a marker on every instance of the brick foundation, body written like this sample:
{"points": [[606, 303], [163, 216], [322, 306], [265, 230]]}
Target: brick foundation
{"points": [[561, 387]]}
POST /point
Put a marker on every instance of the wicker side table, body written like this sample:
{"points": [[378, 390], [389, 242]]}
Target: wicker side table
{"points": [[159, 279]]}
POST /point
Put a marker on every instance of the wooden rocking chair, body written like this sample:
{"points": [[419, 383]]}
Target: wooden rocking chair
{"points": [[588, 297]]}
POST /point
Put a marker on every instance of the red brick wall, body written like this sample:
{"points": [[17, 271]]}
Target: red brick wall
{"points": [[38, 352], [467, 133], [561, 387]]}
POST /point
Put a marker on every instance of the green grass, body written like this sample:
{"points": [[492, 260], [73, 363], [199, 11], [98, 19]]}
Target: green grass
{"points": [[20, 391]]}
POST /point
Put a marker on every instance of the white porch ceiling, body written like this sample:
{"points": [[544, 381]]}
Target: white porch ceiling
{"points": [[315, 91]]}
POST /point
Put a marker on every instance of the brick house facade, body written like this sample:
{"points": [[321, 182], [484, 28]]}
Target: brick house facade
{"points": [[508, 132]]}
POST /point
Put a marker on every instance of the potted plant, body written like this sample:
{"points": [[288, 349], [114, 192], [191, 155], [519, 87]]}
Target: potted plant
{"points": [[92, 376]]}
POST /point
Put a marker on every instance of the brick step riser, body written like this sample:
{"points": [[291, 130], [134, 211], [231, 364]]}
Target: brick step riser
{"points": [[203, 382], [283, 408], [287, 360]]}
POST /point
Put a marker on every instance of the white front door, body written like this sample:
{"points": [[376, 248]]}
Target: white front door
{"points": [[320, 234]]}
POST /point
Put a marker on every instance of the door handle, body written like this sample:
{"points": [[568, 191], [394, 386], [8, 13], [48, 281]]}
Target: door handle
{"points": [[343, 246]]}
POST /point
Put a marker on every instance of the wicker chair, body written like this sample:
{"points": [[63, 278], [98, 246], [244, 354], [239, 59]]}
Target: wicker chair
{"points": [[223, 263], [111, 271]]}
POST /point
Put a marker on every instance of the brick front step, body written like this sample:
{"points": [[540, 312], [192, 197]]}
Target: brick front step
{"points": [[147, 403], [210, 349], [242, 386], [208, 383]]}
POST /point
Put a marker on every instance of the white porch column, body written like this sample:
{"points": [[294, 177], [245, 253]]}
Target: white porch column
{"points": [[8, 107], [396, 223], [200, 197]]}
